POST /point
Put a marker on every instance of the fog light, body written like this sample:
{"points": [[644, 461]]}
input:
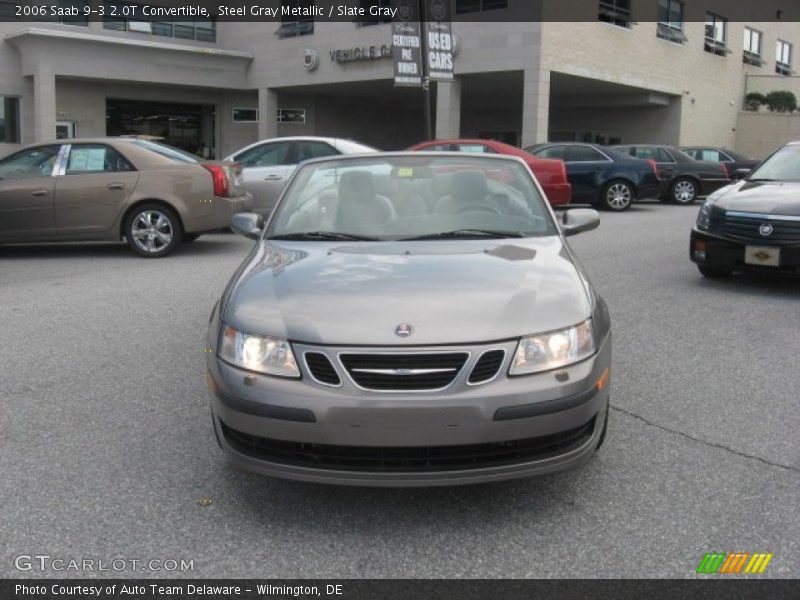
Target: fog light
{"points": [[700, 250]]}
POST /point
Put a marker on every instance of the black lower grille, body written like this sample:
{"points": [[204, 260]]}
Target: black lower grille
{"points": [[321, 368], [749, 229], [487, 366], [407, 459], [404, 372]]}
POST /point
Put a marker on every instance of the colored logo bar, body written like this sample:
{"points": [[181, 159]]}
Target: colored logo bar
{"points": [[733, 562]]}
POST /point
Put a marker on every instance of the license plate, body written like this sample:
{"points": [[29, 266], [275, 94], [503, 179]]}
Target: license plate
{"points": [[762, 256]]}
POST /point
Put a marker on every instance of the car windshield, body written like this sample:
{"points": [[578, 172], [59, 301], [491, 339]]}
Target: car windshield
{"points": [[402, 197], [784, 165]]}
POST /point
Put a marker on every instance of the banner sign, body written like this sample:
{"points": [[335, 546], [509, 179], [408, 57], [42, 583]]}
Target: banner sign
{"points": [[439, 45], [407, 44]]}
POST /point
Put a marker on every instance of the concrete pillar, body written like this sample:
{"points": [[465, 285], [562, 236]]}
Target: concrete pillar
{"points": [[448, 109], [44, 104], [267, 113], [535, 106]]}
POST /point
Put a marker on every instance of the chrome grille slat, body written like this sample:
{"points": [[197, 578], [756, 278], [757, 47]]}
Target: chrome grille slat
{"points": [[401, 372], [745, 228]]}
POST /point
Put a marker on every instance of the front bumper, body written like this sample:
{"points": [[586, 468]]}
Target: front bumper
{"points": [[722, 253], [293, 428]]}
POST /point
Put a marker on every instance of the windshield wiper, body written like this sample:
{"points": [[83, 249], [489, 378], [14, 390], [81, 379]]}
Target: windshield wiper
{"points": [[322, 236], [465, 234]]}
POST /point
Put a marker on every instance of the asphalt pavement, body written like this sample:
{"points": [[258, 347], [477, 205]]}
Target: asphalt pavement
{"points": [[107, 449]]}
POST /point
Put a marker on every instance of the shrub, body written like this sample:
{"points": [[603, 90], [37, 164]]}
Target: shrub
{"points": [[781, 101], [754, 100]]}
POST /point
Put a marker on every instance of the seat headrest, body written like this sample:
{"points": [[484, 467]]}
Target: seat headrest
{"points": [[357, 184], [469, 184]]}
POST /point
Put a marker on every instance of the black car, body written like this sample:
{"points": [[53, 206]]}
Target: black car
{"points": [[602, 176], [753, 224], [682, 177], [734, 161]]}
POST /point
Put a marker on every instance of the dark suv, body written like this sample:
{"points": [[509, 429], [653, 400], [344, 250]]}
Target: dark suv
{"points": [[753, 224]]}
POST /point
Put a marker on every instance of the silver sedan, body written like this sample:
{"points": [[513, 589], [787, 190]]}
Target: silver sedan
{"points": [[410, 319], [267, 165]]}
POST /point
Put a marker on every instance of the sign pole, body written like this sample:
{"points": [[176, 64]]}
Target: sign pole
{"points": [[426, 80]]}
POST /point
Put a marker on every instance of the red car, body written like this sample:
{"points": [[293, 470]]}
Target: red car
{"points": [[551, 173]]}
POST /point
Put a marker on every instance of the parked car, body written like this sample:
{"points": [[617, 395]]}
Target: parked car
{"points": [[267, 165], [753, 224], [602, 176], [373, 339], [551, 174], [734, 161], [152, 195], [683, 179]]}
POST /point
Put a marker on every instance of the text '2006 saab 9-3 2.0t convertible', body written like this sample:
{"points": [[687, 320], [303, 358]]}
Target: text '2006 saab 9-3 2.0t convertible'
{"points": [[410, 319]]}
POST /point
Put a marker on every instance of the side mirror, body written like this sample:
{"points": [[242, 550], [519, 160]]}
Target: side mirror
{"points": [[248, 224], [579, 220], [741, 174]]}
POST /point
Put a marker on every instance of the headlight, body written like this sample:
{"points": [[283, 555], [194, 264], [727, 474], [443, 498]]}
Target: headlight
{"points": [[269, 355], [536, 353], [704, 217]]}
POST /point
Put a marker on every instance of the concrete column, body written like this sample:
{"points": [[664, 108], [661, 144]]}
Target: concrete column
{"points": [[267, 113], [44, 104], [448, 109], [535, 107]]}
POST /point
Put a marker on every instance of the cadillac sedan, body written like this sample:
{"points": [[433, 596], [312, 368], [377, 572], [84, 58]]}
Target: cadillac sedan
{"points": [[753, 224], [108, 189], [410, 319]]}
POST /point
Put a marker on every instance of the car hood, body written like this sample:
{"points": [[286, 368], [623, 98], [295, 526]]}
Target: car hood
{"points": [[780, 198], [451, 292]]}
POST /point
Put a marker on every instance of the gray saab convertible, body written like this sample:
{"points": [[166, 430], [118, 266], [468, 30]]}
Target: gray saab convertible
{"points": [[410, 319]]}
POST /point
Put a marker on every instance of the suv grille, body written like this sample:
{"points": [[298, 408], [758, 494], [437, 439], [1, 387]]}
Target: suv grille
{"points": [[321, 368], [487, 366], [404, 372], [746, 228], [407, 459]]}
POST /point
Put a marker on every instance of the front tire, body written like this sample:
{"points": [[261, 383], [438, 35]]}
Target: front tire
{"points": [[713, 272], [683, 191], [153, 230], [617, 196]]}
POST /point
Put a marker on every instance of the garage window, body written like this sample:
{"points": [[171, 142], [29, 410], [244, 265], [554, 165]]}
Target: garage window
{"points": [[716, 35], [670, 21], [367, 19], [616, 12], [9, 120], [783, 58], [126, 16], [245, 115], [468, 6], [752, 47], [295, 26]]}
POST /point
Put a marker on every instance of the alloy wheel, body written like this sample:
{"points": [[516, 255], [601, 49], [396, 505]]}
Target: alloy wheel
{"points": [[152, 231], [618, 196], [684, 191]]}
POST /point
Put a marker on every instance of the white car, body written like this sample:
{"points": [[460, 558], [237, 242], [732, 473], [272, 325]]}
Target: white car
{"points": [[268, 164]]}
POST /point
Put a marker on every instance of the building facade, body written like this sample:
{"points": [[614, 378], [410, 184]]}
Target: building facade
{"points": [[213, 87]]}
